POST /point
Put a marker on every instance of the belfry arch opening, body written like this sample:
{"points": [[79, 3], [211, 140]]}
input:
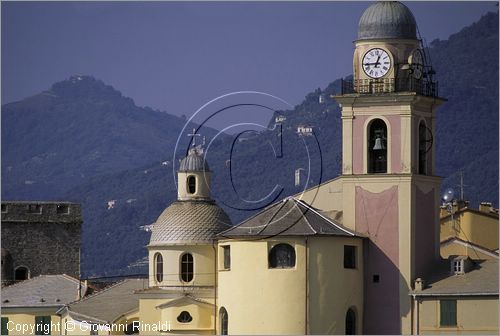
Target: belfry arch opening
{"points": [[377, 147]]}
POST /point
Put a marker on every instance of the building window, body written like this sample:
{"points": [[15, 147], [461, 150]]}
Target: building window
{"points": [[5, 320], [34, 208], [223, 318], [227, 256], [349, 256], [4, 208], [158, 267], [282, 256], [184, 317], [42, 325], [458, 266], [376, 278], [191, 184], [187, 266], [62, 209], [448, 313], [21, 273], [424, 143], [350, 322], [377, 147]]}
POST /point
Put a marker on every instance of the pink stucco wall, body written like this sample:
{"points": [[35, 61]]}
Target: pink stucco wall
{"points": [[377, 217], [425, 232], [357, 143]]}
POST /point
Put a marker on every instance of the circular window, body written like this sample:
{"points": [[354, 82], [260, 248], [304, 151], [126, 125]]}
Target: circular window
{"points": [[184, 317]]}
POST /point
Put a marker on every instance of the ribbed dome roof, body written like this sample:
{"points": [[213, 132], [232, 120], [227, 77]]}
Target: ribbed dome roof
{"points": [[186, 222], [194, 162], [387, 19]]}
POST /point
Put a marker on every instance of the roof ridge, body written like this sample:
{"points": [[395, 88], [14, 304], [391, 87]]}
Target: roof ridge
{"points": [[249, 218], [451, 238], [296, 204], [330, 221]]}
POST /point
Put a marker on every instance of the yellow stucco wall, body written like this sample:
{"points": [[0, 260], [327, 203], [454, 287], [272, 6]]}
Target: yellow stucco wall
{"points": [[472, 226], [73, 327], [459, 249], [260, 300], [332, 288], [203, 316], [203, 257], [475, 315], [23, 322]]}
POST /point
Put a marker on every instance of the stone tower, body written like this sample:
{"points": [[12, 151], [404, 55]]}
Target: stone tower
{"points": [[390, 191]]}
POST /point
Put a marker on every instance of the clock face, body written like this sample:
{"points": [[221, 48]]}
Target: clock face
{"points": [[376, 63], [417, 63]]}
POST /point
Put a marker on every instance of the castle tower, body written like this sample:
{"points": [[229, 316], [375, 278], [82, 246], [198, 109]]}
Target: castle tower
{"points": [[182, 259], [390, 192]]}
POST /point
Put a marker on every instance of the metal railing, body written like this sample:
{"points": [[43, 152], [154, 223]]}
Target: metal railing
{"points": [[422, 87]]}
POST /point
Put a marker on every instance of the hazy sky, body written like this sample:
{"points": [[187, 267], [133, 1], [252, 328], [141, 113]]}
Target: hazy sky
{"points": [[175, 56]]}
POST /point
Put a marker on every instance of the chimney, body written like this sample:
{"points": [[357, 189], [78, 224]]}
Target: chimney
{"points": [[419, 284], [486, 207]]}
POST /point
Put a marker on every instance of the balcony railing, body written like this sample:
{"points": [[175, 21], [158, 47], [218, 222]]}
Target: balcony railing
{"points": [[422, 87]]}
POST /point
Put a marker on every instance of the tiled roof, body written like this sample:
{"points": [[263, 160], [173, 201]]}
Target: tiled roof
{"points": [[482, 280], [42, 291], [189, 222], [110, 303], [290, 217]]}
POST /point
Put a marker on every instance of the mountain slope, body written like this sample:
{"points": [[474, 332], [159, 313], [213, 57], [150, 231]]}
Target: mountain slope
{"points": [[78, 129]]}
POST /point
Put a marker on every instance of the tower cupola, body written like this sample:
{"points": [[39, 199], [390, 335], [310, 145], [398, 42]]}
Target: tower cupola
{"points": [[194, 177], [387, 20]]}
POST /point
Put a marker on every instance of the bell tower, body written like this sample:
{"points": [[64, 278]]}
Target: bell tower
{"points": [[390, 192]]}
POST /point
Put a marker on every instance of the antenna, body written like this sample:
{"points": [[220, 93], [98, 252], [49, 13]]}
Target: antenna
{"points": [[462, 185]]}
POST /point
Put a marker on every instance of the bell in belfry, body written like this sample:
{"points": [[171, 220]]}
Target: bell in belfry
{"points": [[379, 141]]}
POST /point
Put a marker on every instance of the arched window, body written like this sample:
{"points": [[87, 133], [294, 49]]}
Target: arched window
{"points": [[184, 317], [191, 184], [21, 273], [350, 322], [377, 147], [187, 266], [158, 267], [282, 256], [224, 320], [424, 143]]}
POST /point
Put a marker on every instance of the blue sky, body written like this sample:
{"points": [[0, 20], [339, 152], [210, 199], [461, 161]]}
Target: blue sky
{"points": [[175, 56]]}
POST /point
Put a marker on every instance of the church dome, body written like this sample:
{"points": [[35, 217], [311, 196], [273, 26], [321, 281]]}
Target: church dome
{"points": [[194, 161], [188, 222], [387, 19]]}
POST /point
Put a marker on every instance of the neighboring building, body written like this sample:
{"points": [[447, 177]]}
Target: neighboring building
{"points": [[34, 304], [463, 229], [111, 311], [457, 247], [463, 303], [40, 238]]}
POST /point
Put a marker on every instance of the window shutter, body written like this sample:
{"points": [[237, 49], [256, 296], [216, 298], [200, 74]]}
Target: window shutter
{"points": [[448, 310], [5, 320]]}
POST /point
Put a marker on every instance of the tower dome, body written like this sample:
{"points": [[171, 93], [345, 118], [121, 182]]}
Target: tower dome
{"points": [[194, 161], [387, 20]]}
